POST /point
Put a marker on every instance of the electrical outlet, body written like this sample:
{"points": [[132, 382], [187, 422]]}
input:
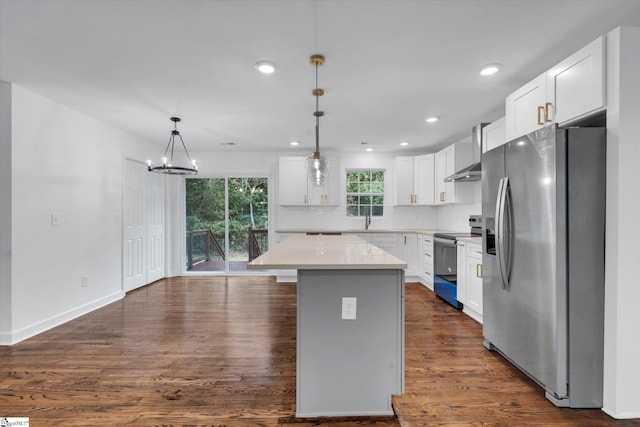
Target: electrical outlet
{"points": [[55, 220], [85, 281], [349, 308]]}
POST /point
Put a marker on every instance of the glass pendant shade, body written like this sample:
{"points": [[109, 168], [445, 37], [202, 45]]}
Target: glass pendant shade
{"points": [[317, 168], [175, 162]]}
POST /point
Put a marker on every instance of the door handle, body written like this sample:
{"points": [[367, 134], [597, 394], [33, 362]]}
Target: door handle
{"points": [[547, 107], [540, 113]]}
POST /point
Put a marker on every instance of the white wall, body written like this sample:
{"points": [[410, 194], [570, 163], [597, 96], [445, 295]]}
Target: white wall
{"points": [[456, 217], [5, 212], [622, 278], [67, 163]]}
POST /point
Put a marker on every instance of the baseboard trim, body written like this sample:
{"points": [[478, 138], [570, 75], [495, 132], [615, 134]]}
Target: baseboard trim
{"points": [[57, 320], [621, 416]]}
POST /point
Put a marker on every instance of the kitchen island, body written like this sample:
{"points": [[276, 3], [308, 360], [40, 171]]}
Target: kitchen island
{"points": [[350, 323]]}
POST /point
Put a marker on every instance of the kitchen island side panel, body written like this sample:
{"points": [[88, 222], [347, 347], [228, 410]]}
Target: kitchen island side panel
{"points": [[349, 367]]}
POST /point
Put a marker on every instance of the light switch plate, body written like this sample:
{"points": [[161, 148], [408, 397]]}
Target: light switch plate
{"points": [[349, 305]]}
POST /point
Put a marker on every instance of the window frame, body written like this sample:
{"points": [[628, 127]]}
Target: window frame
{"points": [[359, 194]]}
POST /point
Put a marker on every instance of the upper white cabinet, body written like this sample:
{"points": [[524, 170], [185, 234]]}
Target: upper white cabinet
{"points": [[414, 179], [493, 135], [292, 181], [524, 108], [576, 86], [572, 89], [448, 161], [295, 188]]}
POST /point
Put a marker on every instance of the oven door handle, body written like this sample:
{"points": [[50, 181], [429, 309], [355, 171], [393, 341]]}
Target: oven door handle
{"points": [[450, 243]]}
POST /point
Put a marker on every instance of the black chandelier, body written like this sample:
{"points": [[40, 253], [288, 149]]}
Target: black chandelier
{"points": [[169, 167]]}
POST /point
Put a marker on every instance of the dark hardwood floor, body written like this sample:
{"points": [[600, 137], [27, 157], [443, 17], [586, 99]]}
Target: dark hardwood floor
{"points": [[220, 351]]}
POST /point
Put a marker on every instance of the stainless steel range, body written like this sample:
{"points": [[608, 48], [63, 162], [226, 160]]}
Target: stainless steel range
{"points": [[445, 260]]}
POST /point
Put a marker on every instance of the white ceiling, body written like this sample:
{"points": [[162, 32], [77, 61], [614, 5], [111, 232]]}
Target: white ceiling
{"points": [[389, 64]]}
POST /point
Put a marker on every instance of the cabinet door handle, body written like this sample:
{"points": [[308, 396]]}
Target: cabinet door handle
{"points": [[429, 255], [478, 270], [305, 199], [442, 196], [540, 113], [415, 198], [405, 240], [547, 108]]}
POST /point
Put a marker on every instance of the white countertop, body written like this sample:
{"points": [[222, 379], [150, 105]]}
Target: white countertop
{"points": [[476, 240], [326, 252], [359, 231]]}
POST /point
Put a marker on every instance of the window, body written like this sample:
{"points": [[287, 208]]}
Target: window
{"points": [[365, 192]]}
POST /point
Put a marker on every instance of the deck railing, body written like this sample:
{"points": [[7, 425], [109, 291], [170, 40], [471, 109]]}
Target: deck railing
{"points": [[202, 246], [258, 241]]}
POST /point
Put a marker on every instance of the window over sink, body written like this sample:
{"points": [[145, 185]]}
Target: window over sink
{"points": [[365, 192]]}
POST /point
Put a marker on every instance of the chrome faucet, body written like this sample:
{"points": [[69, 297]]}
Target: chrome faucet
{"points": [[367, 222]]}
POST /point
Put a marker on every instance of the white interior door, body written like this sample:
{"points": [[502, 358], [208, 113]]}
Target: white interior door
{"points": [[143, 252], [155, 226], [135, 230]]}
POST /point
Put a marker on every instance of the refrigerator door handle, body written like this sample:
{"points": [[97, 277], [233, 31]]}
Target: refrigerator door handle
{"points": [[500, 231], [508, 230]]}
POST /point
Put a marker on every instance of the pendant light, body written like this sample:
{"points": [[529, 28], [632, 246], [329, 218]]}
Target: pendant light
{"points": [[316, 164], [183, 164]]}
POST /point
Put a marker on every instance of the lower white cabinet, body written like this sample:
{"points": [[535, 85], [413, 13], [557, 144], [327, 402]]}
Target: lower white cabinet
{"points": [[425, 254], [410, 253], [474, 280], [469, 286]]}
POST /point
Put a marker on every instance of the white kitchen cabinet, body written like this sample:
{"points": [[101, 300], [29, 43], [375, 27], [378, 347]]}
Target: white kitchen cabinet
{"points": [[469, 286], [524, 108], [414, 180], [292, 181], [447, 162], [425, 253], [473, 273], [295, 188], [424, 179], [461, 285], [493, 135], [410, 253], [576, 86], [572, 89]]}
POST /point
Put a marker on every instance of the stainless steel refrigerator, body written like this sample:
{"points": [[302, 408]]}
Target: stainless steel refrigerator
{"points": [[543, 208]]}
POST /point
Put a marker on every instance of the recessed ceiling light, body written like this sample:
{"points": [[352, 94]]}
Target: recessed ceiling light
{"points": [[431, 119], [404, 143], [265, 67], [489, 69], [294, 143], [368, 149]]}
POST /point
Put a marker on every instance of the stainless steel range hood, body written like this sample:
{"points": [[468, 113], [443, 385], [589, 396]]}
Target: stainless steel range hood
{"points": [[472, 172]]}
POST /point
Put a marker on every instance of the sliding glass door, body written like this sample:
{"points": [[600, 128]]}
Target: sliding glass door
{"points": [[226, 222]]}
